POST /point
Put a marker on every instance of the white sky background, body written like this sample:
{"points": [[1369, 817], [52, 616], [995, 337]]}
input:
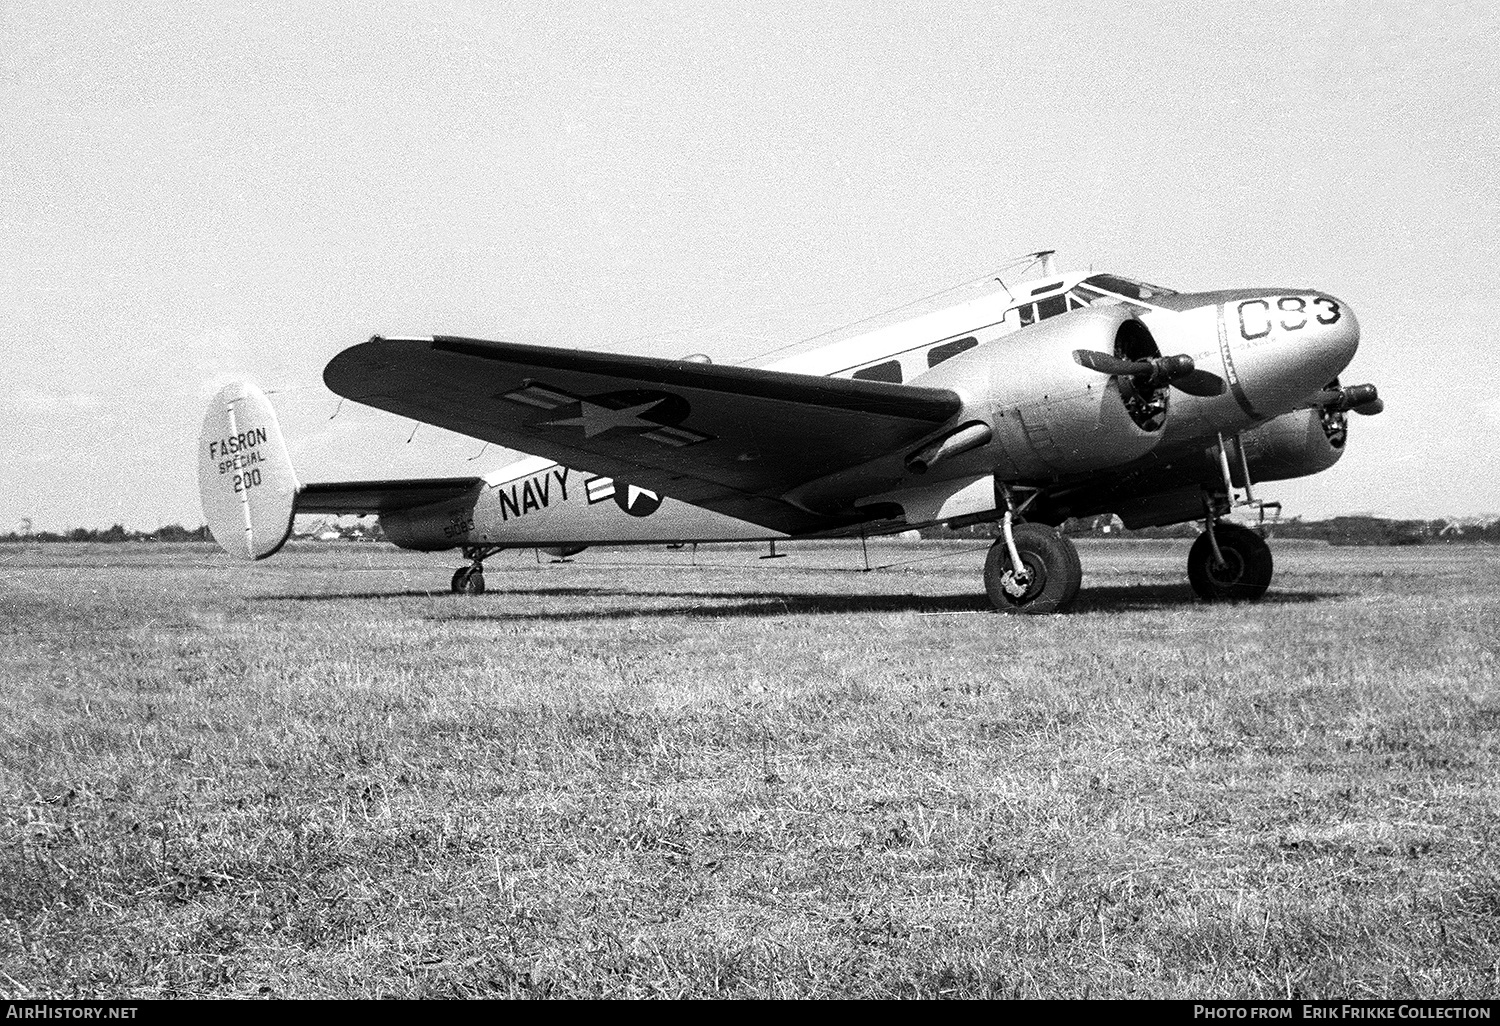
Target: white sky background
{"points": [[190, 193]]}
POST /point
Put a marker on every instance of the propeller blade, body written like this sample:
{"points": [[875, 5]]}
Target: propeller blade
{"points": [[1200, 382]]}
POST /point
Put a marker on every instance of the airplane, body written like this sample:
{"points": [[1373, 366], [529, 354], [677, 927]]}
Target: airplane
{"points": [[1071, 395]]}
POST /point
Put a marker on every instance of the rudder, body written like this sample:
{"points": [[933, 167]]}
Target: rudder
{"points": [[245, 475]]}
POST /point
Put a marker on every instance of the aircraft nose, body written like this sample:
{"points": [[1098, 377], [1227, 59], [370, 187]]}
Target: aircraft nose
{"points": [[1335, 337], [1291, 345]]}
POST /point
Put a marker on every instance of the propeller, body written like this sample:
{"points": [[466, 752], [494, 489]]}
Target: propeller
{"points": [[1177, 371], [1362, 399]]}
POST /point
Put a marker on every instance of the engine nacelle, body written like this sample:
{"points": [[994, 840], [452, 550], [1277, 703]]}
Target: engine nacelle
{"points": [[1050, 416], [1295, 444]]}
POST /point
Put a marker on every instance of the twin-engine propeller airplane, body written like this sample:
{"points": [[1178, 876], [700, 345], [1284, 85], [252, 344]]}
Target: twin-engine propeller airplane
{"points": [[1075, 395]]}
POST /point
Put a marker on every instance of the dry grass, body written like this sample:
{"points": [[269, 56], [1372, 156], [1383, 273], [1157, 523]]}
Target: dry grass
{"points": [[325, 776]]}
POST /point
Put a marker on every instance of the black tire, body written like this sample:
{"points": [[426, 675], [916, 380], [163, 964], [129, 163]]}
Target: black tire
{"points": [[474, 582], [1052, 560], [468, 580], [1246, 572]]}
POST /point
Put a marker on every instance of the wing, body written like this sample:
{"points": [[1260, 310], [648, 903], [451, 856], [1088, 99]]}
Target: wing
{"points": [[730, 439], [363, 497]]}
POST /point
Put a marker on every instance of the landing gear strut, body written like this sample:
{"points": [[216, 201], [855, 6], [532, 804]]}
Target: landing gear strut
{"points": [[1229, 563], [469, 580]]}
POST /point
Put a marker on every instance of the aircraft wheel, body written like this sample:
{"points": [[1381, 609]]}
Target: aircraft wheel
{"points": [[1052, 566], [1245, 573], [468, 580], [474, 583]]}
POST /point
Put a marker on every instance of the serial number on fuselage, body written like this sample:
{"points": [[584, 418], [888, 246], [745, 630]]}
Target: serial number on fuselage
{"points": [[1292, 314]]}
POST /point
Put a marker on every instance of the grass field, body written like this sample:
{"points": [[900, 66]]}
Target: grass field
{"points": [[324, 776]]}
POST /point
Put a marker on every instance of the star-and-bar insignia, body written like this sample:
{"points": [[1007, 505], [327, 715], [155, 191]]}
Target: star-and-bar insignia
{"points": [[653, 415], [638, 502], [600, 489], [540, 396]]}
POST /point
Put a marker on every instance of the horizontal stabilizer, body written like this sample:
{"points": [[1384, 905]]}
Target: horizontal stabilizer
{"points": [[361, 498]]}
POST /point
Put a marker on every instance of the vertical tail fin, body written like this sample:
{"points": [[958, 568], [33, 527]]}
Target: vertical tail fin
{"points": [[245, 476]]}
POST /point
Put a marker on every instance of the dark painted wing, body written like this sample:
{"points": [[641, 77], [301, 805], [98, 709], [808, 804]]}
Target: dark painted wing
{"points": [[731, 439], [363, 497]]}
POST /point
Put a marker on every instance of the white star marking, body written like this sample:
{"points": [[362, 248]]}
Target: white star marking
{"points": [[595, 420]]}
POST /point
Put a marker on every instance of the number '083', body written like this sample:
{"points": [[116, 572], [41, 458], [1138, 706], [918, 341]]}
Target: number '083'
{"points": [[1291, 313]]}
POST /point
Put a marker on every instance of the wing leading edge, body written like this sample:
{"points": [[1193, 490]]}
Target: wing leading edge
{"points": [[731, 439]]}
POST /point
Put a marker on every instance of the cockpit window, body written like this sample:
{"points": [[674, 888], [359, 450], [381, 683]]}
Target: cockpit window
{"points": [[1051, 307], [1080, 296], [1127, 288], [1044, 308]]}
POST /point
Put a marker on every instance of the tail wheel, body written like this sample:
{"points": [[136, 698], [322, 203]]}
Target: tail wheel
{"points": [[1051, 578], [1245, 573], [468, 580]]}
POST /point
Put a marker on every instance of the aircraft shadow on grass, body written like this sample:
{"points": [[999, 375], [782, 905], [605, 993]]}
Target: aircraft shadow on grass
{"points": [[1105, 599]]}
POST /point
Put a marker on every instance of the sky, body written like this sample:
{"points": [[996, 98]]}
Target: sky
{"points": [[191, 193]]}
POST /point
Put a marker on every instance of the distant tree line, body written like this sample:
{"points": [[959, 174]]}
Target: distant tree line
{"points": [[116, 533], [177, 533]]}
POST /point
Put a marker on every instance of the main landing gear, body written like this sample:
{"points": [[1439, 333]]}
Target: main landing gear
{"points": [[1032, 569], [1229, 563], [469, 580]]}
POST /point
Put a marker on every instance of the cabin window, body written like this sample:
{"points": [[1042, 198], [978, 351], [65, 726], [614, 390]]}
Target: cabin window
{"points": [[888, 371], [948, 350]]}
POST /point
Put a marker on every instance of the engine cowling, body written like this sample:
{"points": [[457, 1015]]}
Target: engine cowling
{"points": [[1050, 416], [1295, 444]]}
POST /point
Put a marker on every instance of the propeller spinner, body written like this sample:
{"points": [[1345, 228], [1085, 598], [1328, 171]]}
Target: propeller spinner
{"points": [[1362, 399]]}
